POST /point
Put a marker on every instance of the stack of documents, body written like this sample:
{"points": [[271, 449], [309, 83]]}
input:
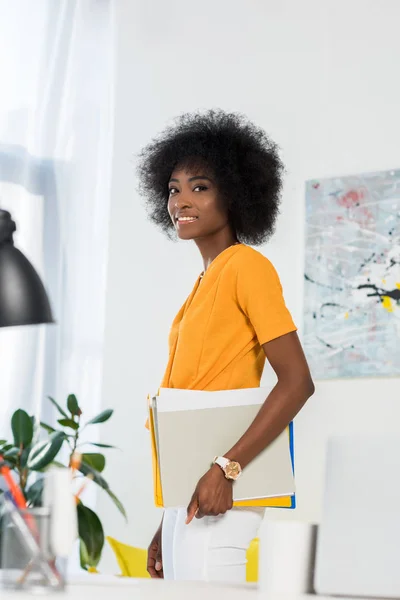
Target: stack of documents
{"points": [[190, 427]]}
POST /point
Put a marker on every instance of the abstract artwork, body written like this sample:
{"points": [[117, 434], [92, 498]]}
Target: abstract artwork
{"points": [[352, 276]]}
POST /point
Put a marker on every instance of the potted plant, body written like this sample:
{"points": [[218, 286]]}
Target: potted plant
{"points": [[29, 460]]}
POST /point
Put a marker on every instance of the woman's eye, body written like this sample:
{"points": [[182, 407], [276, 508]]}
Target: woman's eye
{"points": [[172, 191], [200, 188]]}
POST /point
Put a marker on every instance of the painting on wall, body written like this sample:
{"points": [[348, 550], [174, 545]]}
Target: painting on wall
{"points": [[352, 276]]}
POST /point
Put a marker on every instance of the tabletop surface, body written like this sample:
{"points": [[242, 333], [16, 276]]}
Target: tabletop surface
{"points": [[144, 589], [104, 587]]}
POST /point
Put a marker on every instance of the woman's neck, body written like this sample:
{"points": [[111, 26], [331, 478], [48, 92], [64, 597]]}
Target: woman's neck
{"points": [[214, 244]]}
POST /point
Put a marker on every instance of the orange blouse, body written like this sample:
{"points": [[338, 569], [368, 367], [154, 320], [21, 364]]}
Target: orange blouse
{"points": [[216, 338]]}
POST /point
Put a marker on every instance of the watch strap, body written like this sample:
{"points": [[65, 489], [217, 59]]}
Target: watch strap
{"points": [[221, 461]]}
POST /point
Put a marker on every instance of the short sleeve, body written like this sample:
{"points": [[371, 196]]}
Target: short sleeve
{"points": [[260, 296]]}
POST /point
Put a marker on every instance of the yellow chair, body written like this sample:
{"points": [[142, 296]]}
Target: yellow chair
{"points": [[252, 562], [133, 561]]}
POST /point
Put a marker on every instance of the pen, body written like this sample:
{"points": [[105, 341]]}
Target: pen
{"points": [[15, 490]]}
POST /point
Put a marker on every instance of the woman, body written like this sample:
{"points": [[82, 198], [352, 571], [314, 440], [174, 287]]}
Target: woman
{"points": [[215, 178]]}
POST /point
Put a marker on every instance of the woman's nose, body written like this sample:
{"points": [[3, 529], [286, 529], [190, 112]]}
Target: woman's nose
{"points": [[182, 201]]}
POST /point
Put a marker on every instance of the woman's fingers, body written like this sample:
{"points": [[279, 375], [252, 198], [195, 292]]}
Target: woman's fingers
{"points": [[154, 560], [192, 509], [199, 514], [151, 567], [159, 565], [206, 502], [153, 571]]}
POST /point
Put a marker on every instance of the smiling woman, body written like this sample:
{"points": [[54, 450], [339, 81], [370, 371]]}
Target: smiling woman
{"points": [[215, 178], [194, 204]]}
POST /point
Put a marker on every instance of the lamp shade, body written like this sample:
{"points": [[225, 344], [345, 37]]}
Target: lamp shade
{"points": [[23, 299]]}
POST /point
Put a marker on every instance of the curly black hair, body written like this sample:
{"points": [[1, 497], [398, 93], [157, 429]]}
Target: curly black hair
{"points": [[244, 161]]}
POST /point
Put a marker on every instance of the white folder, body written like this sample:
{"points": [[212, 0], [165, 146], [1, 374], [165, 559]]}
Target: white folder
{"points": [[191, 427]]}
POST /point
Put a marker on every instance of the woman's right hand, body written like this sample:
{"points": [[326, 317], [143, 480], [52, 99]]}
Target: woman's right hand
{"points": [[154, 556]]}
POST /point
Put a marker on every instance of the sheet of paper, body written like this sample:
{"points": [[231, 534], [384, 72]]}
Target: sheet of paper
{"points": [[171, 399]]}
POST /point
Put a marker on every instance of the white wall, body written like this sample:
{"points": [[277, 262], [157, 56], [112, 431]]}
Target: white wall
{"points": [[321, 76]]}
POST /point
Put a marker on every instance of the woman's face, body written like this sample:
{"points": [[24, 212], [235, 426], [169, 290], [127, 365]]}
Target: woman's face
{"points": [[194, 204]]}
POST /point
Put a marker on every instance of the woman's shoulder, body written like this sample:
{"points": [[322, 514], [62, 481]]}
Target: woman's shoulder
{"points": [[252, 260], [253, 275]]}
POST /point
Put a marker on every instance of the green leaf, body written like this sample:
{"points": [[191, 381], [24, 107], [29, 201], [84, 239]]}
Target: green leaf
{"points": [[95, 460], [84, 558], [102, 417], [73, 406], [45, 452], [97, 478], [11, 453], [2, 442], [101, 445], [47, 428], [6, 448], [91, 533], [24, 456], [68, 423], [34, 493], [22, 428], [58, 407], [117, 503]]}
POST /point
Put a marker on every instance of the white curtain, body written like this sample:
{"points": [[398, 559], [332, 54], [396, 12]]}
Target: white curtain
{"points": [[56, 137]]}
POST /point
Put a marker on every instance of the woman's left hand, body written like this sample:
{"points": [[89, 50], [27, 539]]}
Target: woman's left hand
{"points": [[212, 496]]}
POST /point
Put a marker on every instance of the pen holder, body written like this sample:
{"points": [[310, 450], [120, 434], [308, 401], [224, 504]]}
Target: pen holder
{"points": [[27, 560]]}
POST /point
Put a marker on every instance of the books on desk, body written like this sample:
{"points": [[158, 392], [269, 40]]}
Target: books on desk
{"points": [[190, 427]]}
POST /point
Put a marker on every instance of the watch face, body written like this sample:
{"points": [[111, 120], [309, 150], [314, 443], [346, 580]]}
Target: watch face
{"points": [[233, 470]]}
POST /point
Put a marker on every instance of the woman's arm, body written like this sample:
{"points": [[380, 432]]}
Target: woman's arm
{"points": [[213, 494], [289, 395]]}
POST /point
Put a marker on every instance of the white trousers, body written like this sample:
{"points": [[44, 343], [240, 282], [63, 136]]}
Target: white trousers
{"points": [[208, 549]]}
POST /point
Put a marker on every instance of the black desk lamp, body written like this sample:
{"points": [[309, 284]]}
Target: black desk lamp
{"points": [[23, 299]]}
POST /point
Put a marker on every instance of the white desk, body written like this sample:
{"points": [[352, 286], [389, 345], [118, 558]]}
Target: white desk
{"points": [[99, 587], [144, 589]]}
